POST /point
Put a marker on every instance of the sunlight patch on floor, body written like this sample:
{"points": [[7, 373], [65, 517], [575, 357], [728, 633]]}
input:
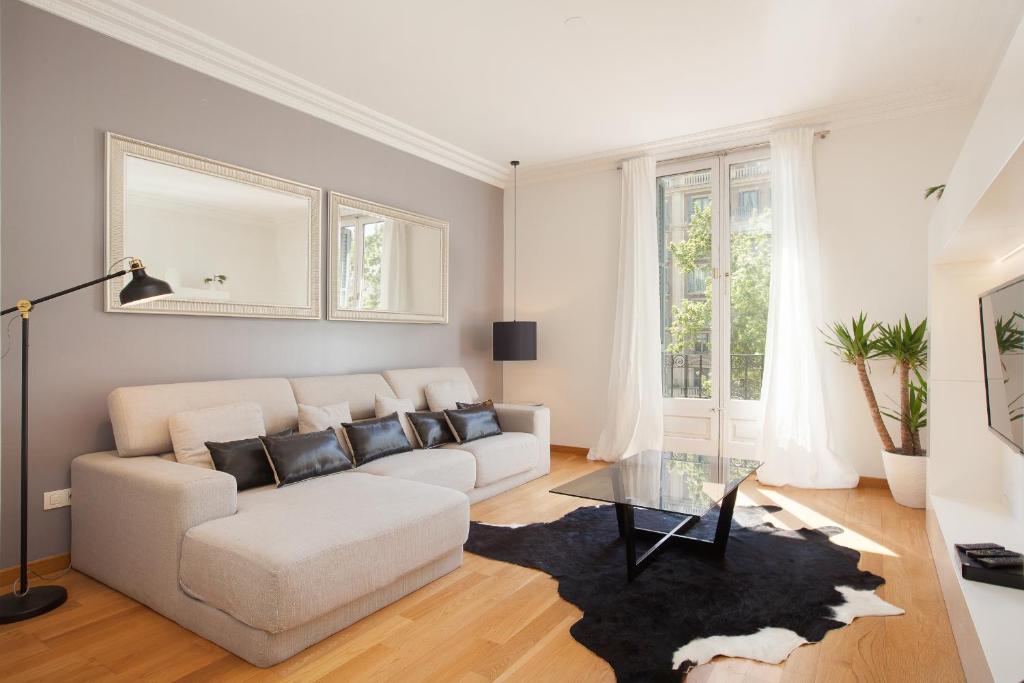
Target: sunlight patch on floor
{"points": [[794, 516]]}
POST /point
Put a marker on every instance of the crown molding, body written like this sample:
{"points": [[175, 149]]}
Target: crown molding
{"points": [[143, 28], [908, 103]]}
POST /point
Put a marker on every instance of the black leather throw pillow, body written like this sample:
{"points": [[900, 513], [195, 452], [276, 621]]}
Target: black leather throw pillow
{"points": [[431, 428], [474, 421], [303, 456], [376, 438], [244, 459]]}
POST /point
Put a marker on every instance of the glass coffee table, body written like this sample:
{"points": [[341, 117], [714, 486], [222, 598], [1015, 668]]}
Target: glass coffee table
{"points": [[685, 485]]}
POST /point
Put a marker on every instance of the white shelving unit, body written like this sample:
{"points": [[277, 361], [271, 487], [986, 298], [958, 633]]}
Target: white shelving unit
{"points": [[975, 482]]}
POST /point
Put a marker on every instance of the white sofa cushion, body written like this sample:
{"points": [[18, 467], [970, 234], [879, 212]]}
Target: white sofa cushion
{"points": [[450, 468], [501, 456], [293, 554], [140, 415], [448, 395], [191, 429], [412, 383], [358, 390], [385, 405], [319, 418]]}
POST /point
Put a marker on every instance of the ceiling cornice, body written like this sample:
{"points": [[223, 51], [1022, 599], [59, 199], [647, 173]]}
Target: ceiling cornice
{"points": [[908, 103], [153, 32]]}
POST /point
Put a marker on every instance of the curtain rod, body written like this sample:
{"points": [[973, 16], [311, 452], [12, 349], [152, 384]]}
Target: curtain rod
{"points": [[821, 135]]}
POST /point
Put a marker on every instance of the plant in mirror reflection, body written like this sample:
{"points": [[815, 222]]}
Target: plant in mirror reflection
{"points": [[1010, 340], [215, 279], [1009, 337]]}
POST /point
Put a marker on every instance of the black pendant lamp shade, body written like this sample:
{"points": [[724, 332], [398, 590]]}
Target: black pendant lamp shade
{"points": [[143, 288], [515, 340]]}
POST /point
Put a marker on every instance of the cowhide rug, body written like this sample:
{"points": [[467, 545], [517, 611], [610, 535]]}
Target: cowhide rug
{"points": [[774, 591]]}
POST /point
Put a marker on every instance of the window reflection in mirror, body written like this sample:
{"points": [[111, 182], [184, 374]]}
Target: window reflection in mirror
{"points": [[385, 264]]}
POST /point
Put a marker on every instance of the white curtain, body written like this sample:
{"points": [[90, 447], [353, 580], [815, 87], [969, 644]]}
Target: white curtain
{"points": [[633, 417], [394, 264], [794, 438]]}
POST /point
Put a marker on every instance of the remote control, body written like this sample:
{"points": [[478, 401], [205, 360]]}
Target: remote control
{"points": [[978, 546], [1002, 562], [978, 554]]}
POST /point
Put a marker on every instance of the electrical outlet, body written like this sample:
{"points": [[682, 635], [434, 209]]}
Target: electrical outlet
{"points": [[56, 499]]}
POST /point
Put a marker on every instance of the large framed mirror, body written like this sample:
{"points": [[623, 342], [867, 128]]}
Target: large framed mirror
{"points": [[229, 241], [386, 264]]}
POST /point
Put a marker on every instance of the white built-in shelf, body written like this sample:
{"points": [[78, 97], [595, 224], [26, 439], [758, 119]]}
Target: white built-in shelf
{"points": [[997, 612]]}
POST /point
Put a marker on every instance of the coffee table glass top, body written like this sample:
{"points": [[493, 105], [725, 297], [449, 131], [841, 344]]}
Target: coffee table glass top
{"points": [[682, 483]]}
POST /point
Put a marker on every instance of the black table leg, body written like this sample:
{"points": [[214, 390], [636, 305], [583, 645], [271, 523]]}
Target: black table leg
{"points": [[629, 532], [724, 523], [624, 515]]}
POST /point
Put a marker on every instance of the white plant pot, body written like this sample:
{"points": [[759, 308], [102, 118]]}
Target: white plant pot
{"points": [[906, 475]]}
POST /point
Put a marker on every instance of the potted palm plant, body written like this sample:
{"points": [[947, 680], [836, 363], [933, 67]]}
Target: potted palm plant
{"points": [[906, 345]]}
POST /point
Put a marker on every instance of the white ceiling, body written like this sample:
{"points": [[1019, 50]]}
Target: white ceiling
{"points": [[504, 80]]}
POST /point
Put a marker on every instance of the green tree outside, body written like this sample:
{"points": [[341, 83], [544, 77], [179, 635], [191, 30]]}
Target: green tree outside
{"points": [[373, 235], [750, 276]]}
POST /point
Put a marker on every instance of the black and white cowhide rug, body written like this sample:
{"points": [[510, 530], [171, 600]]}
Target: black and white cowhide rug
{"points": [[774, 591]]}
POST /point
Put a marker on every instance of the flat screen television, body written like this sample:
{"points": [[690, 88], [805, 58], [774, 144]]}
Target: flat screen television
{"points": [[1002, 343]]}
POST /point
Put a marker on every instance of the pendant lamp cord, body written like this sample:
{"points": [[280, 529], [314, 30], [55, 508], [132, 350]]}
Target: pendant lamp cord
{"points": [[515, 238]]}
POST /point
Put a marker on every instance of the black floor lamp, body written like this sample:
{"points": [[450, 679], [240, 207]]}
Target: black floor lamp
{"points": [[23, 602]]}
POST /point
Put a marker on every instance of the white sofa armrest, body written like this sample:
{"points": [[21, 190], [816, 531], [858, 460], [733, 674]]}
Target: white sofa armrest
{"points": [[536, 420], [129, 516]]}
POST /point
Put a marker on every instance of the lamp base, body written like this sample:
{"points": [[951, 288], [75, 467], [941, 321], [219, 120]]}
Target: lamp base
{"points": [[38, 600]]}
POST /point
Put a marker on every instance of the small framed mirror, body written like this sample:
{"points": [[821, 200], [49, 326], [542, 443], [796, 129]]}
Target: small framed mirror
{"points": [[229, 241], [386, 264]]}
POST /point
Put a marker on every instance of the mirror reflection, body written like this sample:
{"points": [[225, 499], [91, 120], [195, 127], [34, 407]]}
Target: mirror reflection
{"points": [[227, 240], [386, 264], [1002, 321], [214, 239]]}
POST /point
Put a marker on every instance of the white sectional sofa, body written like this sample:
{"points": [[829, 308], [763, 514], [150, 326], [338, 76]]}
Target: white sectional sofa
{"points": [[268, 572]]}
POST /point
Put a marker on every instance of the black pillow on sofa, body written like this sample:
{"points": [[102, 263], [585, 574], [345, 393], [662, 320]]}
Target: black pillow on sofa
{"points": [[245, 460], [431, 428], [303, 456], [472, 421], [376, 438]]}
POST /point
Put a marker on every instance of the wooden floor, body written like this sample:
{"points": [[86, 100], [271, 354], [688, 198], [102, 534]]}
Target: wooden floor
{"points": [[494, 621]]}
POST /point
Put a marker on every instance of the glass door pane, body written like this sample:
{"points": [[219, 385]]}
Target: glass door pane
{"points": [[750, 262], [686, 237]]}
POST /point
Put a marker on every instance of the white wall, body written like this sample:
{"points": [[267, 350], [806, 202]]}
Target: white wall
{"points": [[967, 462], [568, 269], [873, 246]]}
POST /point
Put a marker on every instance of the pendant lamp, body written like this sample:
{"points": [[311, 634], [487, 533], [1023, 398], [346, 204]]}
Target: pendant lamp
{"points": [[515, 340]]}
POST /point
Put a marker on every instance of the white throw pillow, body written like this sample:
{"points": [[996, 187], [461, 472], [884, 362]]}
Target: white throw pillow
{"points": [[384, 406], [444, 395], [191, 429], [319, 418]]}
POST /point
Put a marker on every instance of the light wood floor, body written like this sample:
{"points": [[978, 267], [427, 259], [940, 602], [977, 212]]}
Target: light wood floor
{"points": [[493, 621]]}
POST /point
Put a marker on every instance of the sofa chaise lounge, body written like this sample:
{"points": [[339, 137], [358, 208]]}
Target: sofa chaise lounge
{"points": [[267, 572]]}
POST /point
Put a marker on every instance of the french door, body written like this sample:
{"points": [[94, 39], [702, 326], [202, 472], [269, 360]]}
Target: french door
{"points": [[714, 241]]}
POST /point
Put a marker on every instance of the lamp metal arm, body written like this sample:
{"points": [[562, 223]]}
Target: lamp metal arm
{"points": [[31, 302]]}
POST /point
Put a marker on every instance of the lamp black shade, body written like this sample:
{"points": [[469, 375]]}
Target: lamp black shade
{"points": [[143, 288], [516, 340]]}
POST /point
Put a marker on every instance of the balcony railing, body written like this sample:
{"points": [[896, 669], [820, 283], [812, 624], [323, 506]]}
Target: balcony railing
{"points": [[688, 375]]}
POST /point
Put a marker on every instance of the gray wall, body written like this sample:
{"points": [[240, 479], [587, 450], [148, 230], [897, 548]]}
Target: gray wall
{"points": [[62, 87]]}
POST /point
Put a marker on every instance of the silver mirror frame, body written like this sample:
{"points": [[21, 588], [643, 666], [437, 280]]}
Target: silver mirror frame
{"points": [[336, 200], [119, 147]]}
